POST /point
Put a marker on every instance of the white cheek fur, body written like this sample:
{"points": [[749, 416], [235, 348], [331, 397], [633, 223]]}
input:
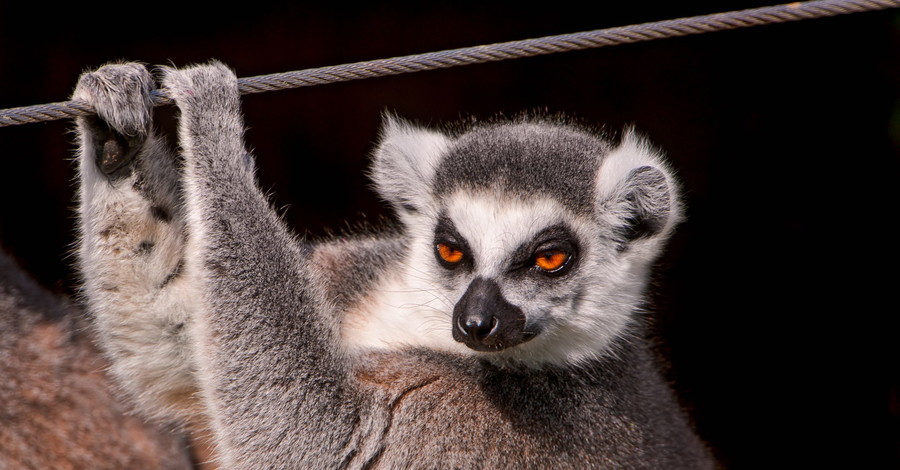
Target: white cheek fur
{"points": [[414, 307]]}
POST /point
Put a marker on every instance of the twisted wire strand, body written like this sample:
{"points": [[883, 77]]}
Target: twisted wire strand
{"points": [[493, 52]]}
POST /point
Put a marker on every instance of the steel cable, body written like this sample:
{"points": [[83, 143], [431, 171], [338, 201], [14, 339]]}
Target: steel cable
{"points": [[494, 52]]}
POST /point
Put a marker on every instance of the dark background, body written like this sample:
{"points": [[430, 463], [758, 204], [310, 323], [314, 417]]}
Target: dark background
{"points": [[776, 301]]}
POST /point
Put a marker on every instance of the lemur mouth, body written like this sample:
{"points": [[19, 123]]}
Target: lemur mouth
{"points": [[496, 342]]}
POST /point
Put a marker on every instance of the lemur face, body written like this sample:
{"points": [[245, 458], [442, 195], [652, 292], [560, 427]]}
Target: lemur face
{"points": [[529, 242], [513, 266]]}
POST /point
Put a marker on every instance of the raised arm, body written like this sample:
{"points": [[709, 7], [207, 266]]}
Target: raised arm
{"points": [[270, 368], [132, 236]]}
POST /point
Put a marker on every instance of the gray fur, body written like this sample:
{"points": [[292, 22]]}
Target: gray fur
{"points": [[525, 157], [266, 338]]}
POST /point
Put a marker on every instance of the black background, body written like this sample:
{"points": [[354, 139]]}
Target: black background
{"points": [[776, 300]]}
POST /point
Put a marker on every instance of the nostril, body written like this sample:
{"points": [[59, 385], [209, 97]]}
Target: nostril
{"points": [[461, 327], [478, 328]]}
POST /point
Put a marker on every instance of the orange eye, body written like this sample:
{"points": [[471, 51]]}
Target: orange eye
{"points": [[551, 260], [448, 254]]}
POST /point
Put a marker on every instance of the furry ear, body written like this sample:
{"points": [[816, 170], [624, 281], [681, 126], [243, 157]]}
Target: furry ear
{"points": [[404, 163], [638, 191]]}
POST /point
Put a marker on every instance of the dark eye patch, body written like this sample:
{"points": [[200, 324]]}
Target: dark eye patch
{"points": [[555, 238], [445, 234]]}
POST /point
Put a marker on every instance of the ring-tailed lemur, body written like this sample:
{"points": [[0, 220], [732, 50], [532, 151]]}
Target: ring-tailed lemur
{"points": [[498, 327]]}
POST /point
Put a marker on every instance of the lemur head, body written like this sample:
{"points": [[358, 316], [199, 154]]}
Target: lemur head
{"points": [[531, 239]]}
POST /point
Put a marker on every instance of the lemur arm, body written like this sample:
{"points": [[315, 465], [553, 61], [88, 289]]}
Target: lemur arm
{"points": [[270, 366], [132, 239], [196, 286]]}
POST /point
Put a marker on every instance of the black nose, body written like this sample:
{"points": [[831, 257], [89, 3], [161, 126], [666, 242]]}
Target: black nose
{"points": [[477, 328], [485, 321]]}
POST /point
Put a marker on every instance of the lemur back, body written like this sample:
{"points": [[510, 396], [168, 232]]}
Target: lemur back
{"points": [[497, 325]]}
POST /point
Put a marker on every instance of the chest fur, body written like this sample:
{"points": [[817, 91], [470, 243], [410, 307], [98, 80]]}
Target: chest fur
{"points": [[462, 415]]}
